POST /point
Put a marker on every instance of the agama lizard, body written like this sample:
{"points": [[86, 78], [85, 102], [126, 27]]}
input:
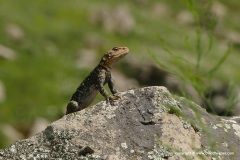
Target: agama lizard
{"points": [[94, 82]]}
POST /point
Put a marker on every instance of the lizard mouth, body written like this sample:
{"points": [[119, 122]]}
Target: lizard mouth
{"points": [[122, 52]]}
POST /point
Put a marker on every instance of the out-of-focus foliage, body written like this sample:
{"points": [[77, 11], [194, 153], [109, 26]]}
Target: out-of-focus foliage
{"points": [[44, 38]]}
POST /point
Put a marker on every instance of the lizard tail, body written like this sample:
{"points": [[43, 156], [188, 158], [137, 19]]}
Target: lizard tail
{"points": [[72, 107]]}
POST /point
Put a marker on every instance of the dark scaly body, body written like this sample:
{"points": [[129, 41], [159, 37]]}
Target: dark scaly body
{"points": [[94, 82], [89, 88]]}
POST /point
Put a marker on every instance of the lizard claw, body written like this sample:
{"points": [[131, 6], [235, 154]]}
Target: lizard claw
{"points": [[112, 98]]}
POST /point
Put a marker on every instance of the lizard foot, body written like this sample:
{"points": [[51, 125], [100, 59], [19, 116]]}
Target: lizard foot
{"points": [[114, 97]]}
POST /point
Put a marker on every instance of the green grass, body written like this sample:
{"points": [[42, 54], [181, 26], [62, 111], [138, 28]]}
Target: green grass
{"points": [[41, 80]]}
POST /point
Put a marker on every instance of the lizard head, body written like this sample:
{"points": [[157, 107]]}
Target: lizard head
{"points": [[113, 55]]}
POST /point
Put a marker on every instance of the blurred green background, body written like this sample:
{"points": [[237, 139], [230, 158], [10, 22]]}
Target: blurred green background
{"points": [[48, 47]]}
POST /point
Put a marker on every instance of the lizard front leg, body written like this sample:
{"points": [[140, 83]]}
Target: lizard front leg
{"points": [[103, 91], [112, 88], [111, 85]]}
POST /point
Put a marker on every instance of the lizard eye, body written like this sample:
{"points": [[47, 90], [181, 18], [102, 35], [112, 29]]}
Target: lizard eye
{"points": [[115, 48]]}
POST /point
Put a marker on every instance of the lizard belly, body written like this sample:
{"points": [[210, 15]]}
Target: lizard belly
{"points": [[87, 99]]}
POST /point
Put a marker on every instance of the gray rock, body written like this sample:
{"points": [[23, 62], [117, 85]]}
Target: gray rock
{"points": [[147, 123]]}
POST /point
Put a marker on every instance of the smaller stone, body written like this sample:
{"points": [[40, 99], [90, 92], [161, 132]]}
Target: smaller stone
{"points": [[7, 53], [15, 32], [185, 17], [219, 9]]}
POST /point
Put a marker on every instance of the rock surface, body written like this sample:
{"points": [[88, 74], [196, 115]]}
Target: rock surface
{"points": [[147, 123]]}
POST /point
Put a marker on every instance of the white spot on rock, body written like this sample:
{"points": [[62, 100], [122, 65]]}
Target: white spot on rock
{"points": [[124, 145], [13, 149], [237, 129]]}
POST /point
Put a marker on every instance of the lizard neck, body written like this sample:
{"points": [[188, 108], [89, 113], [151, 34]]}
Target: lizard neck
{"points": [[107, 68]]}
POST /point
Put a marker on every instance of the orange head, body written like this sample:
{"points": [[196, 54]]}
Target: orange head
{"points": [[113, 55]]}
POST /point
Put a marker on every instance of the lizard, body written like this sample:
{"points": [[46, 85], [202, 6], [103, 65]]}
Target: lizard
{"points": [[94, 82]]}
